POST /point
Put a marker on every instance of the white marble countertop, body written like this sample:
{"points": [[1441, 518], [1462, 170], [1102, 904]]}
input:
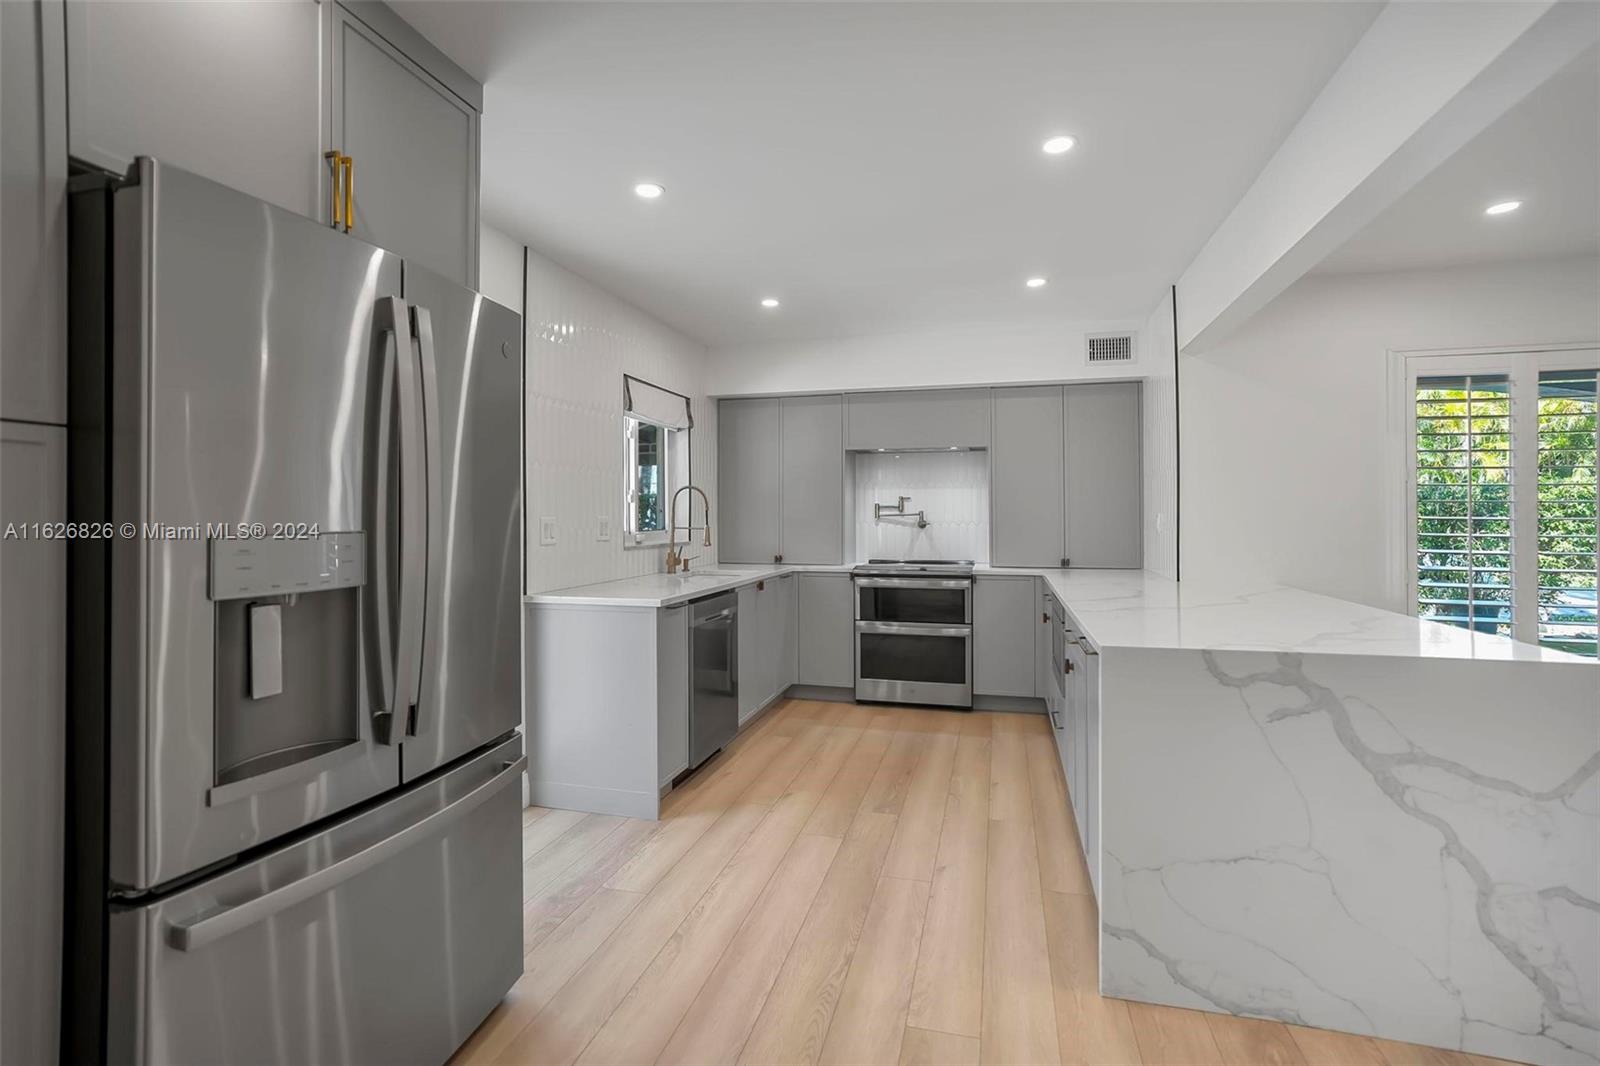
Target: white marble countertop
{"points": [[667, 590], [1140, 609]]}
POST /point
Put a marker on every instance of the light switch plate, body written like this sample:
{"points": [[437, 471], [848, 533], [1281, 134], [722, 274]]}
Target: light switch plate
{"points": [[547, 532], [605, 527]]}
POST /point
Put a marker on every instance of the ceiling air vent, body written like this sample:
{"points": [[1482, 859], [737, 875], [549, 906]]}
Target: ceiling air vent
{"points": [[1108, 348]]}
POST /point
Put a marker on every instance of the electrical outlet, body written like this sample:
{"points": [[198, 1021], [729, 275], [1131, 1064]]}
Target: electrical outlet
{"points": [[547, 532], [605, 527]]}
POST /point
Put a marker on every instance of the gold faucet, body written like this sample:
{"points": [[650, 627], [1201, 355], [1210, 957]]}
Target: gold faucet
{"points": [[675, 559]]}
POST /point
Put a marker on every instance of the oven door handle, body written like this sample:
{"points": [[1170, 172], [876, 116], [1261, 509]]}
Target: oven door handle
{"points": [[914, 582], [911, 629]]}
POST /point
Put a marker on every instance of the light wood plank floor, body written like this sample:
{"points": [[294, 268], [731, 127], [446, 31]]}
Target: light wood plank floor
{"points": [[848, 885]]}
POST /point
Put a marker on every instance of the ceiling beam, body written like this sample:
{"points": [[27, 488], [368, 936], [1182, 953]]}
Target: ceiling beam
{"points": [[1423, 81]]}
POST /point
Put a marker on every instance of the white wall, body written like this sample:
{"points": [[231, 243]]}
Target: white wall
{"points": [[500, 267], [1159, 423], [580, 340], [1287, 471], [979, 354], [952, 487]]}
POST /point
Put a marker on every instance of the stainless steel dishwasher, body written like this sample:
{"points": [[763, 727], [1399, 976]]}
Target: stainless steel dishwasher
{"points": [[714, 675]]}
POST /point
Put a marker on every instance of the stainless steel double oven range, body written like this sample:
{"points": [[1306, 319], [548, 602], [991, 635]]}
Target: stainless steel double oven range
{"points": [[294, 804], [914, 631]]}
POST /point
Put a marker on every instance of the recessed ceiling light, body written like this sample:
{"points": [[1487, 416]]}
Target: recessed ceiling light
{"points": [[769, 302], [648, 190], [1059, 144], [1035, 283], [1505, 207]]}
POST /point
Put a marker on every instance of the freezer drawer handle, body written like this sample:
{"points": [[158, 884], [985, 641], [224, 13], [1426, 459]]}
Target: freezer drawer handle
{"points": [[195, 935]]}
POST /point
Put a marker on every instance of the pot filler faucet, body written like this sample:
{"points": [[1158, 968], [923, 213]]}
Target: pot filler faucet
{"points": [[675, 559]]}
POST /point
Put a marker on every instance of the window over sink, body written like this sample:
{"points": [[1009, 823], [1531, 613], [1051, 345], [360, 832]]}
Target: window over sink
{"points": [[657, 424]]}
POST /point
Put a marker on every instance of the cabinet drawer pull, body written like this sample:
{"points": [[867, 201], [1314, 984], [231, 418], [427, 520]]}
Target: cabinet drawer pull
{"points": [[348, 165], [336, 194]]}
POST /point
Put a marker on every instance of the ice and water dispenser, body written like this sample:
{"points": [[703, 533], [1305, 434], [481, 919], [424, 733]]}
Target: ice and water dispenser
{"points": [[288, 657]]}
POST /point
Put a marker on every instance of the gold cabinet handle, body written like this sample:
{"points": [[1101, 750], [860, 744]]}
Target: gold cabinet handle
{"points": [[348, 165], [336, 199]]}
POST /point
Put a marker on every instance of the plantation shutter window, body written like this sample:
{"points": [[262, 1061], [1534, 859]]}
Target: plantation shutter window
{"points": [[1464, 480], [1504, 500], [1569, 504]]}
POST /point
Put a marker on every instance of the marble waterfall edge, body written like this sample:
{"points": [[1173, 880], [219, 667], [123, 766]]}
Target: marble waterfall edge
{"points": [[1403, 847]]}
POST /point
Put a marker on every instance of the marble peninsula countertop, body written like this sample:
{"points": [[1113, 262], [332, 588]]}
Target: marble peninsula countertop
{"points": [[1144, 610]]}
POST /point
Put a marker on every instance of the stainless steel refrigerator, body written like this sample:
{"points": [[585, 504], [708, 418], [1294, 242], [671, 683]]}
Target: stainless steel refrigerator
{"points": [[295, 803]]}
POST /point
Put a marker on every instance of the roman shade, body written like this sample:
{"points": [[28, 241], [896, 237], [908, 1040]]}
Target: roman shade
{"points": [[651, 403]]}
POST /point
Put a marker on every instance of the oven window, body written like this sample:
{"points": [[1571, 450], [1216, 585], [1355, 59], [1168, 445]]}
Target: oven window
{"points": [[928, 606], [903, 657]]}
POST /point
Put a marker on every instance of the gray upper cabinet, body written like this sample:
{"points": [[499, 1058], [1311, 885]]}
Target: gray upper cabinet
{"points": [[1028, 477], [230, 91], [812, 480], [33, 213], [946, 418], [408, 119], [1105, 521], [749, 445], [780, 479]]}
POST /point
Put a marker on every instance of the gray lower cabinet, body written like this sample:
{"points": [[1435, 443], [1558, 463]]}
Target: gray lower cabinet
{"points": [[1044, 648], [672, 691], [1105, 498], [33, 212], [811, 474], [825, 613], [942, 418], [780, 480], [230, 91], [766, 643], [33, 472], [1003, 635], [785, 631], [408, 119], [1027, 487], [749, 445]]}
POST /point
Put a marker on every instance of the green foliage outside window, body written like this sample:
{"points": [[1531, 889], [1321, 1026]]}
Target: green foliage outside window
{"points": [[1466, 499]]}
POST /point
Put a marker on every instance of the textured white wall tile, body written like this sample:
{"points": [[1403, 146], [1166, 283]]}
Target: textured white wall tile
{"points": [[952, 487], [580, 341]]}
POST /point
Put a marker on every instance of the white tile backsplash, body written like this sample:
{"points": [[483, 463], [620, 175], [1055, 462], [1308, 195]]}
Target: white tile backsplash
{"points": [[580, 340], [952, 487]]}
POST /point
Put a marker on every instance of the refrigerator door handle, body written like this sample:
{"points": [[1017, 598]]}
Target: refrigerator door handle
{"points": [[391, 319], [428, 649], [413, 546], [192, 936]]}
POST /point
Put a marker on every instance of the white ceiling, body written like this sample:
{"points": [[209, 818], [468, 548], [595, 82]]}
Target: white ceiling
{"points": [[876, 166], [1545, 152]]}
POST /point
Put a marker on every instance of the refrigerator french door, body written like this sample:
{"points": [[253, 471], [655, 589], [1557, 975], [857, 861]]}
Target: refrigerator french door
{"points": [[306, 451]]}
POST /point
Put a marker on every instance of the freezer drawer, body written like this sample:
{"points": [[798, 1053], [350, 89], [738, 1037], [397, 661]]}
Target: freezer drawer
{"points": [[386, 938]]}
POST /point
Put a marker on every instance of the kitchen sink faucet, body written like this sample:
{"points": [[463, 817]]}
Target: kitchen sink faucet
{"points": [[675, 558]]}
